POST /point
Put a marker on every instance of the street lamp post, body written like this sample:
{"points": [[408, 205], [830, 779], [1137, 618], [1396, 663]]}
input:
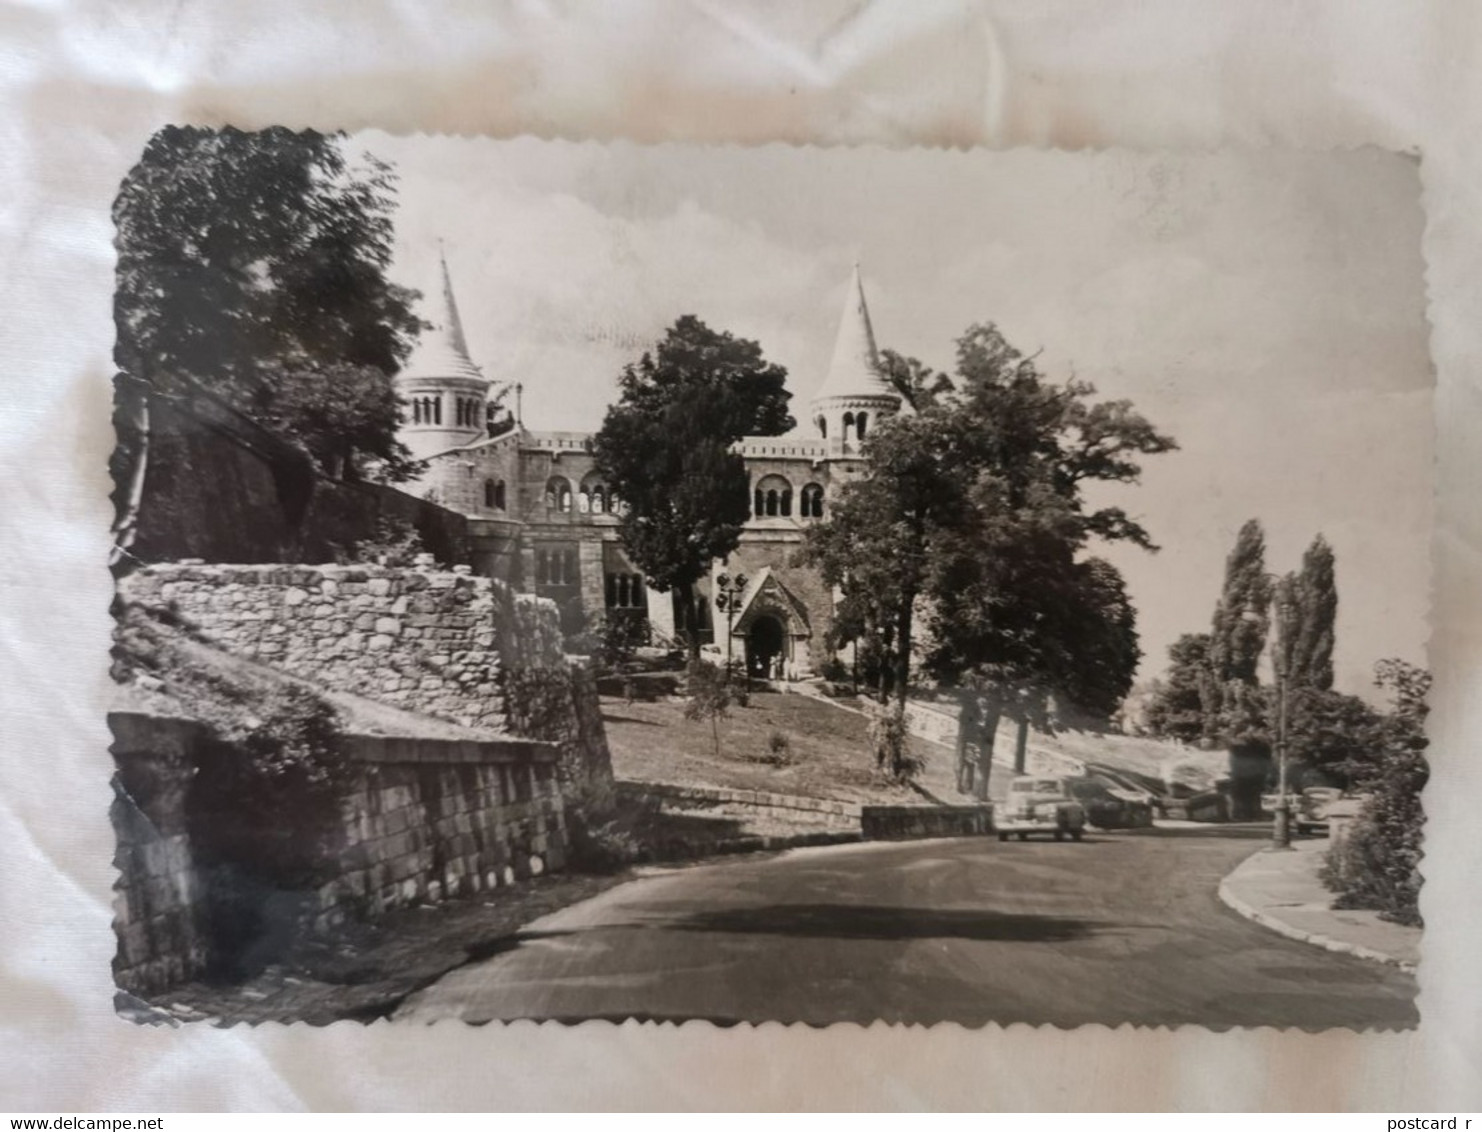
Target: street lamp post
{"points": [[1281, 833], [728, 591], [1281, 829]]}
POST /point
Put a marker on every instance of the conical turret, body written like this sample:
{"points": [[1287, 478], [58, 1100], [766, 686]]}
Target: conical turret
{"points": [[853, 392], [446, 395]]}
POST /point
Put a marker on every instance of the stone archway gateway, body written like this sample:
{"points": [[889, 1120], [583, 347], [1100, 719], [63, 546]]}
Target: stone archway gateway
{"points": [[765, 644]]}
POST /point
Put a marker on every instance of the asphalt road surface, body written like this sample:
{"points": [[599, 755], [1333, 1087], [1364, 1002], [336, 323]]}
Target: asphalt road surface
{"points": [[1118, 928]]}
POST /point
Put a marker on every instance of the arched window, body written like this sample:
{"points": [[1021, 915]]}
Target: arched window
{"points": [[848, 425], [593, 497], [773, 496], [584, 501], [859, 425], [822, 423], [810, 503], [489, 493], [557, 495]]}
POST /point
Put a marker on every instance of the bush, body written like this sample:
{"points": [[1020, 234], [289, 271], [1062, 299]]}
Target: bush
{"points": [[394, 543], [779, 749], [605, 848], [1376, 864]]}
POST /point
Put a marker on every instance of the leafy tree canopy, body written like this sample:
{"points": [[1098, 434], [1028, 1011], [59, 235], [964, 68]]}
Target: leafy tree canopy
{"points": [[1176, 709], [254, 265], [665, 447], [973, 505]]}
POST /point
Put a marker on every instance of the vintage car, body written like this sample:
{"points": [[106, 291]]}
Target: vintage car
{"points": [[1313, 809], [1109, 806], [1039, 805]]}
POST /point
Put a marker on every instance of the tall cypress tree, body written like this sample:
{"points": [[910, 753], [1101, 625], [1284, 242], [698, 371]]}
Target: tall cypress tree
{"points": [[1313, 603], [1243, 617], [1235, 712]]}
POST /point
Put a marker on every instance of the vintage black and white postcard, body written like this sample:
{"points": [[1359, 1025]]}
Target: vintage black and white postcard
{"points": [[577, 581]]}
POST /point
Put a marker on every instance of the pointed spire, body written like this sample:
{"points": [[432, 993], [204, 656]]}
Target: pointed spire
{"points": [[441, 351], [854, 370]]}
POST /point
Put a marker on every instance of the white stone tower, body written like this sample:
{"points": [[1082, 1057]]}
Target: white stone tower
{"points": [[446, 395], [854, 395]]}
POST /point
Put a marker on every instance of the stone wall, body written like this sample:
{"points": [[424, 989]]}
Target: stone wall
{"points": [[161, 917], [419, 640], [900, 823], [450, 645], [415, 822], [429, 819]]}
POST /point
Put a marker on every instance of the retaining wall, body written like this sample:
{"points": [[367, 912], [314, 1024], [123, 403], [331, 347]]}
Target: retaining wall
{"points": [[900, 823], [785, 807], [415, 821], [451, 645]]}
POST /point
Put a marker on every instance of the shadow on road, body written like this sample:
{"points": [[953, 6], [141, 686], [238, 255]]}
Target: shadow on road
{"points": [[868, 921], [1230, 831]]}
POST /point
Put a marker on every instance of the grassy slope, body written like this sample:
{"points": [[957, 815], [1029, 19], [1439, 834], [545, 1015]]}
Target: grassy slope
{"points": [[830, 751]]}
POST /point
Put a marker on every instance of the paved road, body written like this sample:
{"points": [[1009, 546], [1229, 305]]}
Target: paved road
{"points": [[1118, 928]]}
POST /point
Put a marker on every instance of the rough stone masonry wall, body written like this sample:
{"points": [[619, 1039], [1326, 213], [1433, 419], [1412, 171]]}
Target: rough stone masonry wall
{"points": [[417, 821], [426, 820], [419, 640], [160, 914], [451, 645]]}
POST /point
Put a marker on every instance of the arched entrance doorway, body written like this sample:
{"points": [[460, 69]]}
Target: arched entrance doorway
{"points": [[764, 644]]}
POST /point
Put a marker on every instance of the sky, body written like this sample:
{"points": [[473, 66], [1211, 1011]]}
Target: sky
{"points": [[1265, 307]]}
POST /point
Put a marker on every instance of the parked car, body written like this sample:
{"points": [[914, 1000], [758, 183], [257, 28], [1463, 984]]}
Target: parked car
{"points": [[1039, 805], [1108, 806], [1313, 809], [1321, 806], [1131, 786]]}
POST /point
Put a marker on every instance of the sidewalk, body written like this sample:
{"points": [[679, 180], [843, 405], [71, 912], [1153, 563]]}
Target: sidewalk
{"points": [[1280, 890]]}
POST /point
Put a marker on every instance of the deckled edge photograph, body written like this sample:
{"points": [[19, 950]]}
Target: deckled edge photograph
{"points": [[575, 581]]}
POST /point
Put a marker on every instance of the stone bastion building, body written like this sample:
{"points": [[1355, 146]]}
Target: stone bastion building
{"points": [[542, 520]]}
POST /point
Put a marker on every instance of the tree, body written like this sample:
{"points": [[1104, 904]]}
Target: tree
{"points": [[709, 697], [972, 508], [1377, 864], [875, 546], [1311, 596], [1100, 650], [1243, 616], [1236, 711], [253, 265], [665, 449], [241, 251], [1176, 710], [346, 416]]}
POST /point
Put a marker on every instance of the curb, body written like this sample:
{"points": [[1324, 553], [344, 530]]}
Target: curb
{"points": [[1281, 927]]}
